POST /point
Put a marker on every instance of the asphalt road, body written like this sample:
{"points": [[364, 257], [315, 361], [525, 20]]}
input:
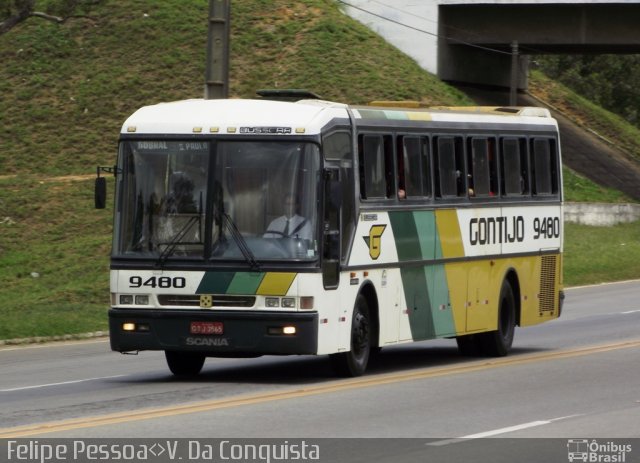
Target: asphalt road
{"points": [[574, 377]]}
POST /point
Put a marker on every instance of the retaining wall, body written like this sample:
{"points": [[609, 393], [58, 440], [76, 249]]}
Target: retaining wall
{"points": [[601, 214]]}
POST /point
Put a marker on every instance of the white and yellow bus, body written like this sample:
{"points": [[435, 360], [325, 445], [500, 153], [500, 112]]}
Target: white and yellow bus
{"points": [[253, 227]]}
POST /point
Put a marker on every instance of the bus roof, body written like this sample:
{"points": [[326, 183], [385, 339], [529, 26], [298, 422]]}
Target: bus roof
{"points": [[263, 116], [230, 116]]}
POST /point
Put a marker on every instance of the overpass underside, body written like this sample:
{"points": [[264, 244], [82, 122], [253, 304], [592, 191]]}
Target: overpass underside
{"points": [[475, 44]]}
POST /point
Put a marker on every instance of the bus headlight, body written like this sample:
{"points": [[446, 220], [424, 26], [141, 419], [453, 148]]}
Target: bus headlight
{"points": [[289, 302]]}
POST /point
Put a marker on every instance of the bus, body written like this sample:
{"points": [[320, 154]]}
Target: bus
{"points": [[273, 226]]}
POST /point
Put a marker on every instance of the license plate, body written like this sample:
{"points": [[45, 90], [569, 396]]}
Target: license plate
{"points": [[207, 328]]}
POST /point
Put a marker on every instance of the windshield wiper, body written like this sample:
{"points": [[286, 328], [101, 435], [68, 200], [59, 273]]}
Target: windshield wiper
{"points": [[240, 241], [176, 240], [225, 219]]}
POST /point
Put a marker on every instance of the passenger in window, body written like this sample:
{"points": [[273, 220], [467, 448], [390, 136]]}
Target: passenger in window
{"points": [[180, 200], [470, 189], [290, 224]]}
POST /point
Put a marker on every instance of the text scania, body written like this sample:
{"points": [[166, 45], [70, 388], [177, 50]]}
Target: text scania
{"points": [[496, 230]]}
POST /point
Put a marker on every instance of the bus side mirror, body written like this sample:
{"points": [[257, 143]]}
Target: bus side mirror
{"points": [[100, 193]]}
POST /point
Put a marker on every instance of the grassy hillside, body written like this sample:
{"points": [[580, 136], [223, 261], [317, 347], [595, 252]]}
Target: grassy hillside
{"points": [[611, 127], [67, 89], [587, 114]]}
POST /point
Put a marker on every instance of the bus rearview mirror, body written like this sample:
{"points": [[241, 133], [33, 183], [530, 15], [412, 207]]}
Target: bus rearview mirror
{"points": [[100, 193]]}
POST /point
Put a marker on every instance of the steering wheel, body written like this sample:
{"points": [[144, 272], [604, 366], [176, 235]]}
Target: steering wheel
{"points": [[275, 232]]}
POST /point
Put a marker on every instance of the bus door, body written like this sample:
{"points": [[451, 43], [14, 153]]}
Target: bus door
{"points": [[478, 301]]}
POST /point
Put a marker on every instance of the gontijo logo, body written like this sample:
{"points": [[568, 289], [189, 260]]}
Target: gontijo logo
{"points": [[374, 240]]}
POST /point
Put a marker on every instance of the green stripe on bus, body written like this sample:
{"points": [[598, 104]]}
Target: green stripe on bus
{"points": [[427, 233], [396, 115], [416, 294], [439, 297], [426, 290], [245, 283], [406, 236], [265, 284], [215, 282], [371, 114], [416, 235]]}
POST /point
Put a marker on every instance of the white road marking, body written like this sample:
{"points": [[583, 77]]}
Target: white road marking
{"points": [[58, 384], [496, 432], [630, 311]]}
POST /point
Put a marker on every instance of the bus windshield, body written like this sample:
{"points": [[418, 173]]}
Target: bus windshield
{"points": [[227, 200]]}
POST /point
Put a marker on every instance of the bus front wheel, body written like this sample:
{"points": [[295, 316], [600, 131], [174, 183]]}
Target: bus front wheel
{"points": [[354, 362], [184, 363]]}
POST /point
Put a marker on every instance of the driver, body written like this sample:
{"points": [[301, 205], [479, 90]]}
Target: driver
{"points": [[290, 224]]}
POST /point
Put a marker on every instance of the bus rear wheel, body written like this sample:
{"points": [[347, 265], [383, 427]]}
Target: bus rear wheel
{"points": [[184, 363], [354, 362], [498, 343]]}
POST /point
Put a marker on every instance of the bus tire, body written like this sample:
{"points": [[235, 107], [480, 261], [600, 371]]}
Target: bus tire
{"points": [[184, 363], [354, 362], [498, 343]]}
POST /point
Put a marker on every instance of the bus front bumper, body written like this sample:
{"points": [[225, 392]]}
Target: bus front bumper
{"points": [[224, 333]]}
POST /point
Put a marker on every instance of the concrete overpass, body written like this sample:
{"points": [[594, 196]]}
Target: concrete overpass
{"points": [[471, 41]]}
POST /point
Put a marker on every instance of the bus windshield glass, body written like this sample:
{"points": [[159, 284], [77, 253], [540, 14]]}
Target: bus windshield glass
{"points": [[258, 204]]}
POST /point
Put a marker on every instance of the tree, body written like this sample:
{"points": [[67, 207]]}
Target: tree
{"points": [[14, 12], [611, 81]]}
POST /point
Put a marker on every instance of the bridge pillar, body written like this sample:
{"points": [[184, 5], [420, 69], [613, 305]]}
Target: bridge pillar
{"points": [[462, 63]]}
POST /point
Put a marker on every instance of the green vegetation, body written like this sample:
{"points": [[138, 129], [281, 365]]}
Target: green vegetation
{"points": [[592, 117], [66, 90], [580, 189], [610, 81], [54, 271], [601, 254]]}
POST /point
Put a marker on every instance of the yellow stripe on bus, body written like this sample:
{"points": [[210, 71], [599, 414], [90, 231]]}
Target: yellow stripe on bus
{"points": [[419, 116], [276, 284], [449, 233]]}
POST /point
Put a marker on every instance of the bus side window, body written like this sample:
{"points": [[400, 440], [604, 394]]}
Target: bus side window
{"points": [[337, 146], [544, 167], [515, 167], [450, 172], [376, 166], [413, 158], [479, 165]]}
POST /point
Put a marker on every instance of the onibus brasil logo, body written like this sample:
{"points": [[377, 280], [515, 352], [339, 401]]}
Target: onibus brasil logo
{"points": [[594, 451]]}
